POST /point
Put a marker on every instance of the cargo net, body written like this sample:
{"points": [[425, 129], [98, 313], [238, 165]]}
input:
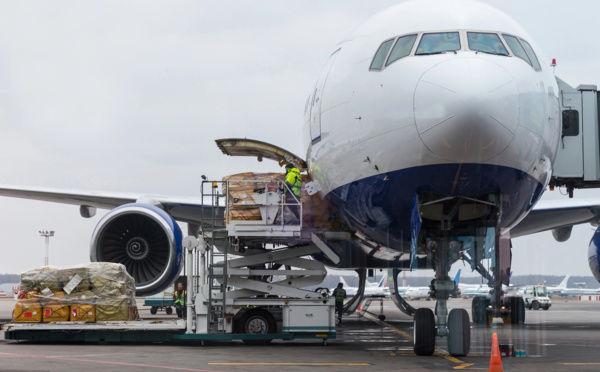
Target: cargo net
{"points": [[99, 291], [242, 207]]}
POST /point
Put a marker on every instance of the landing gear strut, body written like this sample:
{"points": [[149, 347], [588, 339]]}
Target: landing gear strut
{"points": [[456, 325]]}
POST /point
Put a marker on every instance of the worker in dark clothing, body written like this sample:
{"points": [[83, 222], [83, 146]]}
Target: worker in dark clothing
{"points": [[340, 294], [180, 297], [293, 191]]}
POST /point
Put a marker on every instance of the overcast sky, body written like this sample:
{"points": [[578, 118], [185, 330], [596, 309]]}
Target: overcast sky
{"points": [[130, 96]]}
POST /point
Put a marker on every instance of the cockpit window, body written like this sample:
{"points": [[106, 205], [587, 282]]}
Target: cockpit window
{"points": [[486, 43], [382, 52], [402, 48], [516, 48], [438, 43], [531, 54]]}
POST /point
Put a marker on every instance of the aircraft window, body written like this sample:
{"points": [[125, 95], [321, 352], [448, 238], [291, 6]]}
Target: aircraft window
{"points": [[531, 54], [438, 43], [382, 52], [402, 48], [516, 48], [570, 123], [486, 43]]}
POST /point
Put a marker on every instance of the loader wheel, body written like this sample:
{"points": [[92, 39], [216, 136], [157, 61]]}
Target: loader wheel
{"points": [[169, 310], [257, 321], [153, 310]]}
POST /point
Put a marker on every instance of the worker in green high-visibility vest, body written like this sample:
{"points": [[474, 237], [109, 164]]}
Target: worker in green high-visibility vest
{"points": [[340, 294], [293, 191], [180, 297]]}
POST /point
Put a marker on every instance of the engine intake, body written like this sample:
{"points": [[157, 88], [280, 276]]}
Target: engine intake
{"points": [[594, 253], [145, 239]]}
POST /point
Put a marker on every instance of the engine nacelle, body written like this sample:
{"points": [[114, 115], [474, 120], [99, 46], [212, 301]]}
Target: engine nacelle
{"points": [[594, 253], [145, 239]]}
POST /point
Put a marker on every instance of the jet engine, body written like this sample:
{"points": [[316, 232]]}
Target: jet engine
{"points": [[145, 239], [593, 253]]}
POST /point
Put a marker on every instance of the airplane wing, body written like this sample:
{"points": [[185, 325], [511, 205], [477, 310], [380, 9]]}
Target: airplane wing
{"points": [[184, 209], [554, 214]]}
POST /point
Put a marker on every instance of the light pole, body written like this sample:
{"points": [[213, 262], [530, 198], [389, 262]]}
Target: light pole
{"points": [[47, 235]]}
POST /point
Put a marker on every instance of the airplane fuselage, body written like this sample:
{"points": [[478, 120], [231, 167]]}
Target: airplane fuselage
{"points": [[461, 122]]}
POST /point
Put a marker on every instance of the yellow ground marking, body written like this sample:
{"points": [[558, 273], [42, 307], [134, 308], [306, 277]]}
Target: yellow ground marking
{"points": [[291, 364], [437, 352]]}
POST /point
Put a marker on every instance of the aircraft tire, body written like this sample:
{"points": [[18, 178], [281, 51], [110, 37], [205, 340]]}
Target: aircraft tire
{"points": [[478, 310], [424, 332], [517, 310], [459, 332], [257, 321], [382, 317]]}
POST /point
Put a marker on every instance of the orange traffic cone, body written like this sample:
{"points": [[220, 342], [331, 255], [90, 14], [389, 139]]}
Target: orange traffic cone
{"points": [[359, 307], [495, 360]]}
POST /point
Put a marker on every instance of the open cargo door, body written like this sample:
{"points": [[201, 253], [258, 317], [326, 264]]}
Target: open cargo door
{"points": [[261, 150]]}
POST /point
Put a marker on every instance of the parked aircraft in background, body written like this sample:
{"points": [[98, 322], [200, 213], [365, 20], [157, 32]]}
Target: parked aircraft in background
{"points": [[560, 288], [417, 293], [378, 289]]}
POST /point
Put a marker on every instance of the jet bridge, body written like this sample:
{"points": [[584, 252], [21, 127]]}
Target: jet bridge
{"points": [[577, 163]]}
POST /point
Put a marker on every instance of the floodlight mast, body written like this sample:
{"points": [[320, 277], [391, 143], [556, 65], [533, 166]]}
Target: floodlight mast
{"points": [[47, 235]]}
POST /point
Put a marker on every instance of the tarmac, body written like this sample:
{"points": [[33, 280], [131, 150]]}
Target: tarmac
{"points": [[566, 337]]}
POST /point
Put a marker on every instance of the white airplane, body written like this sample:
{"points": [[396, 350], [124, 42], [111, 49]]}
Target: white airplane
{"points": [[470, 290], [379, 289], [433, 129], [416, 293], [560, 288]]}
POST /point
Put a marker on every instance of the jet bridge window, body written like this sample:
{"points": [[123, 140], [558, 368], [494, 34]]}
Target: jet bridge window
{"points": [[438, 43], [486, 43], [570, 123], [402, 48], [382, 52]]}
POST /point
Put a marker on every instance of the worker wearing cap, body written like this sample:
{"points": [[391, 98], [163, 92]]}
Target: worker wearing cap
{"points": [[294, 187], [180, 297], [340, 294]]}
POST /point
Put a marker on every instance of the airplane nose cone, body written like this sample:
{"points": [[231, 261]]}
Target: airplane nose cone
{"points": [[466, 109]]}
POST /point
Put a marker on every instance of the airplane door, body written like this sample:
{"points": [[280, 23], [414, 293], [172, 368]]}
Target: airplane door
{"points": [[315, 111]]}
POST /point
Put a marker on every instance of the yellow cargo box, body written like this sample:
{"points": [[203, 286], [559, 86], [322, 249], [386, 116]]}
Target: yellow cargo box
{"points": [[56, 313], [27, 311], [83, 313]]}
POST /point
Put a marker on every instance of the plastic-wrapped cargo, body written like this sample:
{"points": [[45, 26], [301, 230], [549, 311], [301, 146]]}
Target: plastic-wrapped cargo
{"points": [[83, 297], [113, 309], [29, 311], [56, 313], [83, 313], [315, 211], [107, 287]]}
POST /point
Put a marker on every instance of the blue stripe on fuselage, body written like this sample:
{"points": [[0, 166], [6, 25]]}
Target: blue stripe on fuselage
{"points": [[380, 206]]}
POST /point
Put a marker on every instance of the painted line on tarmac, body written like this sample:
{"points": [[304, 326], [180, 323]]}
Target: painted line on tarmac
{"points": [[108, 362], [291, 364], [437, 351]]}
